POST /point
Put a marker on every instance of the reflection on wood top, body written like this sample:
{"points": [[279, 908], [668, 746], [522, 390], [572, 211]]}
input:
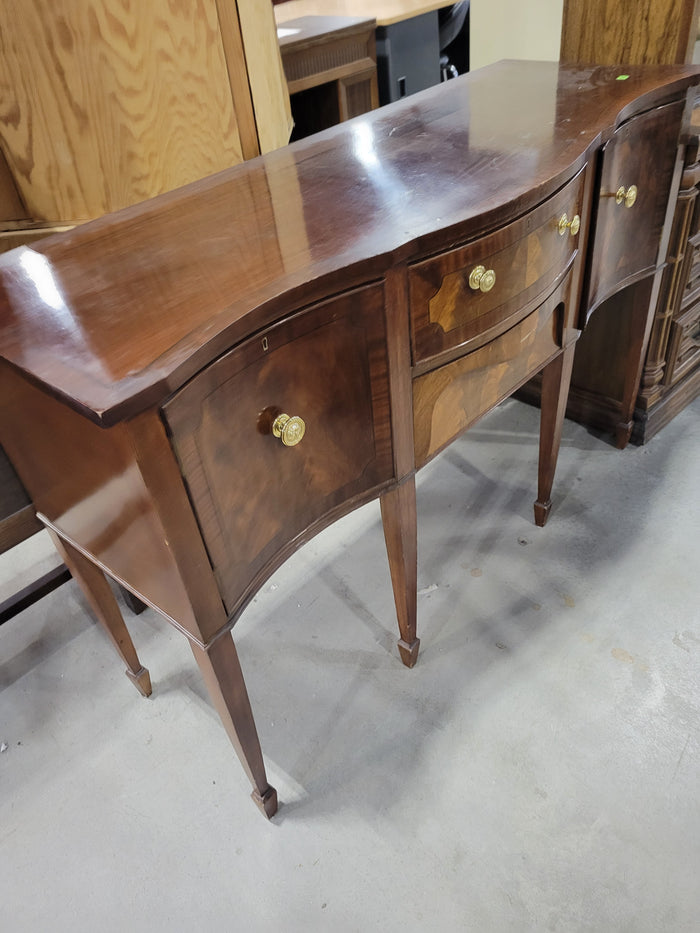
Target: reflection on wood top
{"points": [[118, 312]]}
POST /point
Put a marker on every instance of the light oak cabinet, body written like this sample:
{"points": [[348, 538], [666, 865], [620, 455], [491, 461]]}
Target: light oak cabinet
{"points": [[106, 103]]}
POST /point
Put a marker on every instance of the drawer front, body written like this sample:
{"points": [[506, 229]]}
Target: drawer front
{"points": [[253, 495], [628, 226], [684, 345], [691, 292], [447, 400], [450, 309]]}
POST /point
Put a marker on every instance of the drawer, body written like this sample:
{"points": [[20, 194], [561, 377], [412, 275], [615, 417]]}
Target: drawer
{"points": [[450, 309], [635, 184], [691, 292], [450, 398], [684, 345], [252, 495]]}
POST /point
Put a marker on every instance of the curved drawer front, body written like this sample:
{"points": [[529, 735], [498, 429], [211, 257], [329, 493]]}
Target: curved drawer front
{"points": [[450, 398], [453, 302], [628, 224], [252, 494]]}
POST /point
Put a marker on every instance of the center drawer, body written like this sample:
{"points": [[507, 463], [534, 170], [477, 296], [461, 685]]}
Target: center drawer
{"points": [[474, 292], [253, 495]]}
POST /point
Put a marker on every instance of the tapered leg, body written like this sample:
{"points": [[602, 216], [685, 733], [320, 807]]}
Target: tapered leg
{"points": [[223, 677], [556, 377], [100, 596], [399, 518]]}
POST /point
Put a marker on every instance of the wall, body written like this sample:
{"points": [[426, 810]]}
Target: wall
{"points": [[514, 29]]}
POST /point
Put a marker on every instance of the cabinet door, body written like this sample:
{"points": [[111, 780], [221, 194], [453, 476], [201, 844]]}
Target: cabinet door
{"points": [[253, 496], [636, 174]]}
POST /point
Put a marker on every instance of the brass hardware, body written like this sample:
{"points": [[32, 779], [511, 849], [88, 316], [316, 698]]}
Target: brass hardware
{"points": [[289, 430], [482, 279], [628, 195], [573, 225]]}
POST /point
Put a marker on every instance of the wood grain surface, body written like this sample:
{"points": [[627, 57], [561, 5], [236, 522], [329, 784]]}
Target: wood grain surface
{"points": [[640, 32], [268, 86], [108, 102]]}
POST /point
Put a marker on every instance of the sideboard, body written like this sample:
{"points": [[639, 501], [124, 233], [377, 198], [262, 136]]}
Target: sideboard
{"points": [[193, 387]]}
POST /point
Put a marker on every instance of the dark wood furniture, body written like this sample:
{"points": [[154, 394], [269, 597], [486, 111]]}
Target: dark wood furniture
{"points": [[193, 387], [330, 63], [638, 362]]}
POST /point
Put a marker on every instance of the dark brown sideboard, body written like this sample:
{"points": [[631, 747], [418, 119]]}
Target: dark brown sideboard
{"points": [[193, 387]]}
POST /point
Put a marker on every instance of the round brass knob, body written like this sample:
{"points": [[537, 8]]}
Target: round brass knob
{"points": [[482, 279], [289, 430], [628, 195], [573, 225]]}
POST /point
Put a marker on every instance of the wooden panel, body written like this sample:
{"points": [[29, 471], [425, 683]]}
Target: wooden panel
{"points": [[86, 481], [446, 401], [27, 236], [684, 344], [108, 102], [326, 47], [251, 494], [527, 257], [273, 115], [237, 69], [642, 153], [11, 207], [643, 32]]}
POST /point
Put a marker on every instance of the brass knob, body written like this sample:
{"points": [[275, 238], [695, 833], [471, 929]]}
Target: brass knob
{"points": [[628, 195], [573, 225], [289, 430], [482, 279]]}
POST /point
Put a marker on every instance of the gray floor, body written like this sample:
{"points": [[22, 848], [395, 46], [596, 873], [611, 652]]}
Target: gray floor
{"points": [[538, 769]]}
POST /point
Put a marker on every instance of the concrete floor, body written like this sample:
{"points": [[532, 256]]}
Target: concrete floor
{"points": [[538, 770]]}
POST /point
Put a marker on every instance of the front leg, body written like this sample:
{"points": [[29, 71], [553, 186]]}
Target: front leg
{"points": [[556, 377], [223, 677], [398, 507]]}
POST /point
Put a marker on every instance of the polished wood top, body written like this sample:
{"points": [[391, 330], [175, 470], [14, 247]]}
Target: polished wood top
{"points": [[117, 313], [385, 12]]}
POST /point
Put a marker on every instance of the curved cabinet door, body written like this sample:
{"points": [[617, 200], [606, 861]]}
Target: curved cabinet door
{"points": [[253, 496], [637, 170]]}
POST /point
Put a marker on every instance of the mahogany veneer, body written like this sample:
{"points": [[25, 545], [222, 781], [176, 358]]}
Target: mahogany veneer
{"points": [[389, 280]]}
